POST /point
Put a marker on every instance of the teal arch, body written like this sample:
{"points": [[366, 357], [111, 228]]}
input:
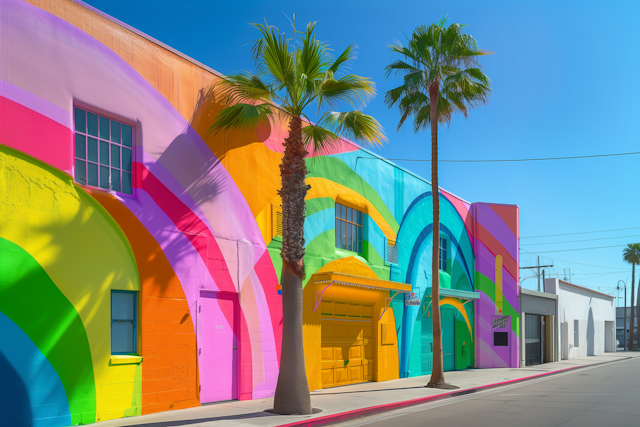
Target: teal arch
{"points": [[53, 325], [414, 255], [33, 393]]}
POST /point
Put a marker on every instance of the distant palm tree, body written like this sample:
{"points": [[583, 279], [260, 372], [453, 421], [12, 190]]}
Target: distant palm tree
{"points": [[291, 75], [631, 254], [442, 76]]}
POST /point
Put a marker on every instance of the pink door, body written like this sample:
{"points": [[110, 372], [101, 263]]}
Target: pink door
{"points": [[218, 347]]}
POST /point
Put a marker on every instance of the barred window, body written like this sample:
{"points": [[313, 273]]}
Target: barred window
{"points": [[103, 152], [348, 228]]}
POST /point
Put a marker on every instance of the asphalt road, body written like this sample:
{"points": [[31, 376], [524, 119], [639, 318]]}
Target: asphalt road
{"points": [[602, 396]]}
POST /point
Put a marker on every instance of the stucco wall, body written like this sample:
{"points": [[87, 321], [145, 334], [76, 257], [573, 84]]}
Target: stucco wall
{"points": [[591, 310]]}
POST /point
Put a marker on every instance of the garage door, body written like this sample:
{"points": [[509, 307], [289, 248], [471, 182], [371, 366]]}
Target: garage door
{"points": [[347, 342]]}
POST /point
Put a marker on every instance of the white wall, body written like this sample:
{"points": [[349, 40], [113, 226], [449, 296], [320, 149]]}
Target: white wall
{"points": [[591, 309]]}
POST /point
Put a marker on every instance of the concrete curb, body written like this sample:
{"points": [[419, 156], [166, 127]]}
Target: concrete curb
{"points": [[374, 410]]}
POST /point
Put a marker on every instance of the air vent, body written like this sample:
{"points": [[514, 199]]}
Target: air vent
{"points": [[279, 223], [276, 221], [392, 254]]}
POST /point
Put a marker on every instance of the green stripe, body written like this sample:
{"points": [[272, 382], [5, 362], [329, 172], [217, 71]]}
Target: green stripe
{"points": [[319, 204], [29, 297], [336, 170], [486, 285]]}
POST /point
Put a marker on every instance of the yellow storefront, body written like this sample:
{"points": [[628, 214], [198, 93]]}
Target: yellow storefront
{"points": [[349, 329]]}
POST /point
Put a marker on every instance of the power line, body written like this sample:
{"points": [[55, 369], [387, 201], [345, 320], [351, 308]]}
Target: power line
{"points": [[582, 232], [511, 160], [581, 249], [573, 262], [584, 240]]}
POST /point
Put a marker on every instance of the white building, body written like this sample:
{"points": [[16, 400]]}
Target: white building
{"points": [[586, 320]]}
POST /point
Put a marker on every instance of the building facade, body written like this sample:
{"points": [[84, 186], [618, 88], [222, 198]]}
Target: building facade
{"points": [[586, 320], [140, 255]]}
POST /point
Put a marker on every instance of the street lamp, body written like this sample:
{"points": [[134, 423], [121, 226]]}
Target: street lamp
{"points": [[624, 329]]}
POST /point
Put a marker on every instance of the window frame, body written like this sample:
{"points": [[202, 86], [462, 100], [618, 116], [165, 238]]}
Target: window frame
{"points": [[134, 321], [338, 219], [86, 135], [443, 260]]}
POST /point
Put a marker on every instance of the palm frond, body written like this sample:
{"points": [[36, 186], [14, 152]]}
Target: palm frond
{"points": [[243, 87], [242, 116], [355, 125], [347, 55], [321, 139], [352, 90], [272, 55]]}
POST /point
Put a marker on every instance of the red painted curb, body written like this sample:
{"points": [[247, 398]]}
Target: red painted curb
{"points": [[373, 410]]}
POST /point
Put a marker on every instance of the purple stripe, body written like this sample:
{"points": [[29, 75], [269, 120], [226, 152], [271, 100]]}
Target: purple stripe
{"points": [[35, 103], [495, 225]]}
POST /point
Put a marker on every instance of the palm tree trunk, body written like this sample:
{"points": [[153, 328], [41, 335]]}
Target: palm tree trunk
{"points": [[292, 392], [632, 346], [437, 374]]}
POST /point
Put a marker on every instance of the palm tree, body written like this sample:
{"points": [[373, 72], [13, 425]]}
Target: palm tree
{"points": [[290, 76], [442, 76], [631, 254]]}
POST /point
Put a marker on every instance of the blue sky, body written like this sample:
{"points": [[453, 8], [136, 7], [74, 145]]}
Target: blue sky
{"points": [[565, 83]]}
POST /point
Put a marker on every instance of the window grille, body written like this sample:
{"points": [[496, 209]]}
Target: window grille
{"points": [[103, 152], [348, 228]]}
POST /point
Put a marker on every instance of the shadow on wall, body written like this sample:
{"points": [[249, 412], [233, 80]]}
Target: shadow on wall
{"points": [[208, 105], [591, 331], [14, 399]]}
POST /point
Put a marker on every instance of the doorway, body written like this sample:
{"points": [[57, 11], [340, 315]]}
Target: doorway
{"points": [[535, 339], [347, 342], [217, 346], [448, 321]]}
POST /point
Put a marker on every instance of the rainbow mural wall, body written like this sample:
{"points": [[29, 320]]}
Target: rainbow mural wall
{"points": [[197, 240]]}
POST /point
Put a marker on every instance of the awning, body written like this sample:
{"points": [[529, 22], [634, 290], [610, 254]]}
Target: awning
{"points": [[328, 278], [454, 293], [337, 278]]}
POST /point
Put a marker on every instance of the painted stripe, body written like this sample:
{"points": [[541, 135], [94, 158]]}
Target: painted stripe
{"points": [[36, 135], [44, 400], [189, 225], [52, 323], [35, 103]]}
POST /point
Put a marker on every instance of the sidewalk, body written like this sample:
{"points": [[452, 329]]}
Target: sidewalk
{"points": [[341, 403]]}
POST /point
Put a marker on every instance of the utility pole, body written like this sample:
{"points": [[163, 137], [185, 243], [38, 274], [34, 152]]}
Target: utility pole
{"points": [[538, 273], [538, 267], [544, 288]]}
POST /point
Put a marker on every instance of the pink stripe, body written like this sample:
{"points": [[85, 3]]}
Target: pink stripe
{"points": [[189, 225], [36, 135], [372, 410]]}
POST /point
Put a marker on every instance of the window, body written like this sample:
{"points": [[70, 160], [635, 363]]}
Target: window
{"points": [[576, 333], [123, 322], [501, 339], [443, 254], [103, 152], [348, 228]]}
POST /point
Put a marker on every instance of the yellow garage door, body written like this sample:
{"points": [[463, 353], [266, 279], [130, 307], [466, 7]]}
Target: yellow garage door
{"points": [[347, 342]]}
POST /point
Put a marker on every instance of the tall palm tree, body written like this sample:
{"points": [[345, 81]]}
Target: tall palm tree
{"points": [[291, 76], [631, 254], [442, 76]]}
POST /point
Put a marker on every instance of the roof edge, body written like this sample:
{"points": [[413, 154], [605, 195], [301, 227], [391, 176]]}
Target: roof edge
{"points": [[148, 37], [586, 289]]}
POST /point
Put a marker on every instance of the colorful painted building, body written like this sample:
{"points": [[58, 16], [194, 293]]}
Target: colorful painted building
{"points": [[139, 255]]}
